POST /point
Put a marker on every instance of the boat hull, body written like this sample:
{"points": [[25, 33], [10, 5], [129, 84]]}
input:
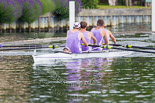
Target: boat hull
{"points": [[52, 56]]}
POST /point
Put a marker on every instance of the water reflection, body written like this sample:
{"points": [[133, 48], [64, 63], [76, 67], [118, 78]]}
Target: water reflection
{"points": [[84, 75], [95, 80], [15, 79], [69, 78], [85, 72]]}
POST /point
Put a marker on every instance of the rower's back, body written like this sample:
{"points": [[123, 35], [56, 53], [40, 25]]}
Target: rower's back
{"points": [[97, 35], [73, 42], [87, 39]]}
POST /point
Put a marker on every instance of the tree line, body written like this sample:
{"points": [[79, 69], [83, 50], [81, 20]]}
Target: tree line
{"points": [[29, 10]]}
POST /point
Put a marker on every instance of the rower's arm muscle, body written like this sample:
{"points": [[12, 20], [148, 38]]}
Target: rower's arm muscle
{"points": [[92, 37], [112, 37], [81, 37], [103, 34]]}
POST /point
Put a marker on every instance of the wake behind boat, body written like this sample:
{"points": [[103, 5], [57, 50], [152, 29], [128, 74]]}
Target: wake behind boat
{"points": [[61, 55]]}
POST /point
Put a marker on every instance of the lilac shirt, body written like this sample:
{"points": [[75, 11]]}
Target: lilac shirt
{"points": [[73, 42], [98, 37], [87, 39]]}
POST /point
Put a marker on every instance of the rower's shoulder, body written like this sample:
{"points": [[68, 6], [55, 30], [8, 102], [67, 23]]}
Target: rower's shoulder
{"points": [[80, 33], [90, 33]]}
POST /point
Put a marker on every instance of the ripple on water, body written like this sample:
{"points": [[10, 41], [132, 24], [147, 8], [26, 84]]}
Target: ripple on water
{"points": [[114, 91], [79, 95], [94, 92], [132, 92], [142, 96]]}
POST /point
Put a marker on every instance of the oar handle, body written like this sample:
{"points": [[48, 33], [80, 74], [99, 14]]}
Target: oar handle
{"points": [[94, 45], [113, 44]]}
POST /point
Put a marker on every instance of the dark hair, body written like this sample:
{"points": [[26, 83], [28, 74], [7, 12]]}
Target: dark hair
{"points": [[100, 22], [83, 24]]}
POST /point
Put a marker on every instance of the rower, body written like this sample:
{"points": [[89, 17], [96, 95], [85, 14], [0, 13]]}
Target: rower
{"points": [[100, 34], [87, 35], [109, 35], [74, 37]]}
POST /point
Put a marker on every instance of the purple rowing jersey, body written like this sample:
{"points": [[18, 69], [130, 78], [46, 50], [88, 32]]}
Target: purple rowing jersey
{"points": [[98, 37], [87, 39], [73, 42]]}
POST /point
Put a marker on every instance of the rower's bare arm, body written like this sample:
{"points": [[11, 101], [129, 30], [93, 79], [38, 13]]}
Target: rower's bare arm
{"points": [[92, 37], [103, 34], [112, 37], [81, 37]]}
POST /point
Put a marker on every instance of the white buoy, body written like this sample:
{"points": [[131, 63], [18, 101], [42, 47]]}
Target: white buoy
{"points": [[153, 15], [71, 14]]}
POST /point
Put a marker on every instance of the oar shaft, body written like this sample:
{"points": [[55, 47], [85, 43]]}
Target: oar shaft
{"points": [[20, 46], [130, 46], [143, 47], [27, 46], [37, 47], [133, 50], [126, 49]]}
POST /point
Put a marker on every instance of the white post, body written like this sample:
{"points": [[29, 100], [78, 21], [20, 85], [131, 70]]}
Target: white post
{"points": [[71, 14], [153, 15]]}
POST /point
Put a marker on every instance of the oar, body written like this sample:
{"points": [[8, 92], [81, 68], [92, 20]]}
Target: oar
{"points": [[37, 47], [20, 46], [110, 47], [130, 46]]}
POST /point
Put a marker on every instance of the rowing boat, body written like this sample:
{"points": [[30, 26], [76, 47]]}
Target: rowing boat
{"points": [[61, 55]]}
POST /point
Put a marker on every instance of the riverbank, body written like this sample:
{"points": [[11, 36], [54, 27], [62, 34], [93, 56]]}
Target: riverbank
{"points": [[57, 39], [112, 17], [119, 7], [47, 37]]}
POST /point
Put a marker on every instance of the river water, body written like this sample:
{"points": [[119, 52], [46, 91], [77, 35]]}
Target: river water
{"points": [[109, 80]]}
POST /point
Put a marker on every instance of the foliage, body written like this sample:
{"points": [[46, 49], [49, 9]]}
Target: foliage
{"points": [[62, 13], [47, 6], [62, 8], [29, 10], [32, 9], [89, 4], [10, 10]]}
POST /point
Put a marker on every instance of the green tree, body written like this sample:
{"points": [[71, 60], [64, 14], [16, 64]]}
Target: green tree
{"points": [[62, 13], [89, 4], [47, 6], [32, 9], [10, 10], [62, 8]]}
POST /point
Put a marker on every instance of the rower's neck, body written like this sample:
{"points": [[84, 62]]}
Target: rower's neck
{"points": [[83, 30], [75, 30], [102, 27]]}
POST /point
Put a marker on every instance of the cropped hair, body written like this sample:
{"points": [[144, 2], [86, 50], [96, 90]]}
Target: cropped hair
{"points": [[100, 22], [83, 24]]}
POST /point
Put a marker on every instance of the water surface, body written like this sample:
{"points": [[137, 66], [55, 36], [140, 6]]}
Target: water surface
{"points": [[126, 79]]}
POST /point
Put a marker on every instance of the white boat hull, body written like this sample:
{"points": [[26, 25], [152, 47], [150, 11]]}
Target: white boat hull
{"points": [[52, 56]]}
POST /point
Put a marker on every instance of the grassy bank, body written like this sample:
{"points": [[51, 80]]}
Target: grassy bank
{"points": [[117, 7]]}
